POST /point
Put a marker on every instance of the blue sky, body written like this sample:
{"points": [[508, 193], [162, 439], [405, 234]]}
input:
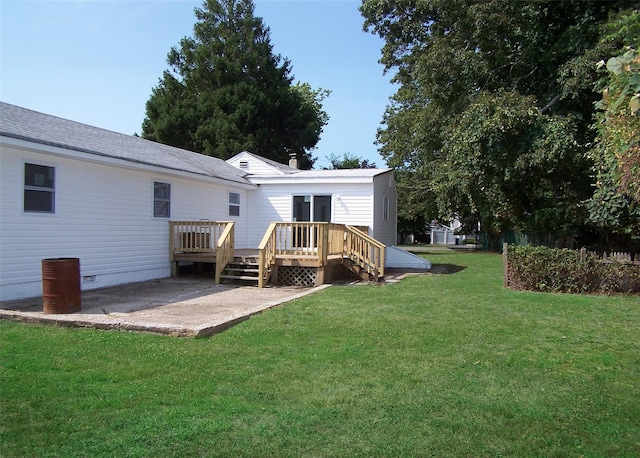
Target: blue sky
{"points": [[96, 61]]}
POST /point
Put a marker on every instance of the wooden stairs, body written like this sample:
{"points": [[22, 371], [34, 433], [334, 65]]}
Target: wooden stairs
{"points": [[243, 269]]}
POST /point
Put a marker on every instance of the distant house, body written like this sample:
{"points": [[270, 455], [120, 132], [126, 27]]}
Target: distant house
{"points": [[73, 190]]}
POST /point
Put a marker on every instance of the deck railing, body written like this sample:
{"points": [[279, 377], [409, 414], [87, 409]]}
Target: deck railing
{"points": [[319, 240], [267, 255], [224, 250], [365, 251], [195, 236], [203, 236], [335, 239]]}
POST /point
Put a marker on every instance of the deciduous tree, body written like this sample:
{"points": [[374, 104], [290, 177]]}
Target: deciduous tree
{"points": [[349, 161], [493, 113]]}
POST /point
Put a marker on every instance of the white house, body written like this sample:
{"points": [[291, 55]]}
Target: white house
{"points": [[358, 197], [72, 190]]}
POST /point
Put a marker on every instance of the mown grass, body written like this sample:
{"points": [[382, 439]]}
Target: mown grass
{"points": [[438, 365]]}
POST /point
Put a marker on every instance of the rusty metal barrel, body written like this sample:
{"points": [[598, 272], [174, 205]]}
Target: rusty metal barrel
{"points": [[61, 285]]}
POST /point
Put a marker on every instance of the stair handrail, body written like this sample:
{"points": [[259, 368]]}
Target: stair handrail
{"points": [[336, 239], [267, 255], [365, 251], [224, 249]]}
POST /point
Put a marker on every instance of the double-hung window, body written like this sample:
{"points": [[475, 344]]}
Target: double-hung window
{"points": [[234, 204], [161, 200], [39, 188]]}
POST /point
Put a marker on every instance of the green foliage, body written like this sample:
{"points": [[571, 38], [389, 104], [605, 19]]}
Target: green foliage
{"points": [[415, 202], [513, 167], [226, 91], [539, 268], [449, 365], [493, 113], [349, 161], [615, 205]]}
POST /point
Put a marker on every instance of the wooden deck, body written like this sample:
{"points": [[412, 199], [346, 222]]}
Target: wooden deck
{"points": [[285, 246]]}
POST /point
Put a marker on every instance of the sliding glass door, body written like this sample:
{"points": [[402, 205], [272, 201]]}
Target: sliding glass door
{"points": [[304, 208]]}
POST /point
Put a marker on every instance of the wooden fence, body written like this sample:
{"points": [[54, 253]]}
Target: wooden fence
{"points": [[618, 256]]}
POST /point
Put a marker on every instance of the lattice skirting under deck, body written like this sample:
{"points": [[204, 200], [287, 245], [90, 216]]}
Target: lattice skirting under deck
{"points": [[333, 272], [297, 276]]}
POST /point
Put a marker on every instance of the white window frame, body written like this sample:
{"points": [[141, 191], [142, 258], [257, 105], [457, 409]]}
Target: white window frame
{"points": [[161, 200], [51, 190], [233, 204]]}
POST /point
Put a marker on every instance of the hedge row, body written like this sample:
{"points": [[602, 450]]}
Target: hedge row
{"points": [[561, 270]]}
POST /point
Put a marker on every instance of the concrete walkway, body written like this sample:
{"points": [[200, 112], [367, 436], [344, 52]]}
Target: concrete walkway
{"points": [[175, 306]]}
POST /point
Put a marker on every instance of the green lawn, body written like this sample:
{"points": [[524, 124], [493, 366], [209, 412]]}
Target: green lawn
{"points": [[436, 365]]}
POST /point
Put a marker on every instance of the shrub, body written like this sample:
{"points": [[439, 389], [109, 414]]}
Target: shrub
{"points": [[539, 268]]}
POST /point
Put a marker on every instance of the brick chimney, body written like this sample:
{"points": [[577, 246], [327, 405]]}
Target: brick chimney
{"points": [[293, 160]]}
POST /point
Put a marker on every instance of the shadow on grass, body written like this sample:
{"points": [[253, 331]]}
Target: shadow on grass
{"points": [[428, 252], [446, 268]]}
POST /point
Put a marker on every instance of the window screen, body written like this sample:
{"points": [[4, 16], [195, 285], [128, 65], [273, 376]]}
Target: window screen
{"points": [[161, 200], [234, 204], [39, 188]]}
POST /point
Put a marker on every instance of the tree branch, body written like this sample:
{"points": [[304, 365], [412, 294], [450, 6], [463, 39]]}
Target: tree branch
{"points": [[550, 105]]}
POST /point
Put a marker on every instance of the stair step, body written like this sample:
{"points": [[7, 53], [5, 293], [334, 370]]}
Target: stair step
{"points": [[239, 277], [242, 269], [245, 261]]}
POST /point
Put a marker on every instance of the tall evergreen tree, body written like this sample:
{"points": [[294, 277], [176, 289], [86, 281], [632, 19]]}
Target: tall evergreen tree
{"points": [[226, 91]]}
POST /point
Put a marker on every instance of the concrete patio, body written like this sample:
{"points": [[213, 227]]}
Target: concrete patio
{"points": [[175, 306]]}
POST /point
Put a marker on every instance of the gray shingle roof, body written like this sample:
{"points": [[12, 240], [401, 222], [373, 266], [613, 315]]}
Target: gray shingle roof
{"points": [[23, 124]]}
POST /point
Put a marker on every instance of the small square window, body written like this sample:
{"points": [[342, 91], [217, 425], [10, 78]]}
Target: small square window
{"points": [[234, 204], [161, 200], [39, 188]]}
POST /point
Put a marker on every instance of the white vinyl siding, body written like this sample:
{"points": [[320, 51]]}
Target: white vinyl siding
{"points": [[104, 216], [350, 204], [386, 209], [252, 165]]}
